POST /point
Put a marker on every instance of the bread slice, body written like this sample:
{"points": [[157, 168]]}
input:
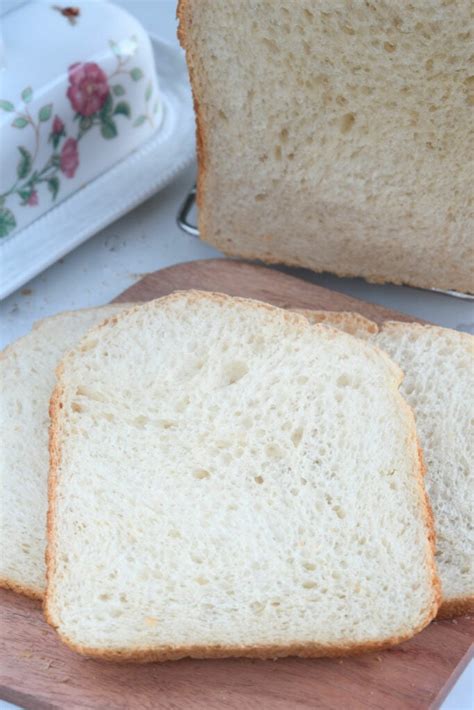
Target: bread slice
{"points": [[439, 385], [332, 135], [227, 479], [27, 378]]}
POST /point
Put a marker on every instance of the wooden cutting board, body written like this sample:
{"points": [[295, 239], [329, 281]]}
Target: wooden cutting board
{"points": [[38, 671]]}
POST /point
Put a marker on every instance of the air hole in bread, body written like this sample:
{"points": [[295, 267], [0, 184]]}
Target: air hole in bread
{"points": [[339, 511], [182, 404], [273, 451], [234, 371], [201, 474], [89, 345], [296, 436], [347, 121], [167, 423]]}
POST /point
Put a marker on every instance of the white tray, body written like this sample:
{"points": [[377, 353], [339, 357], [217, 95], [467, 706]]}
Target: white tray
{"points": [[105, 199]]}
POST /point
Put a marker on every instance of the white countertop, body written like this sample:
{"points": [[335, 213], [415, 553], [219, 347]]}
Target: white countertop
{"points": [[148, 239]]}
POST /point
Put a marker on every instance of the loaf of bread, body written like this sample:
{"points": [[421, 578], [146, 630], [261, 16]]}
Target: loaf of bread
{"points": [[27, 378], [336, 135], [439, 385], [228, 479]]}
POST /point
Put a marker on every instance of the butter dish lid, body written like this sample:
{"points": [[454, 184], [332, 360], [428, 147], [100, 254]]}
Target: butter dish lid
{"points": [[93, 130], [78, 92]]}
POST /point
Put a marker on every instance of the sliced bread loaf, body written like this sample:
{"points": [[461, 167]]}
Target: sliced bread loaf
{"points": [[229, 480], [439, 384], [27, 378], [334, 135]]}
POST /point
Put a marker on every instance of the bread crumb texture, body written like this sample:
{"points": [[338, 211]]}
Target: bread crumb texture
{"points": [[229, 478], [336, 134], [438, 366], [27, 378]]}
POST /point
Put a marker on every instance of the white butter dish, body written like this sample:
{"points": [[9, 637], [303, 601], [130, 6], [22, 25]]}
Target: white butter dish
{"points": [[84, 145]]}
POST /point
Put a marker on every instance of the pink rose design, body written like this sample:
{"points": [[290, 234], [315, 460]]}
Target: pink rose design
{"points": [[58, 126], [32, 200], [88, 88], [69, 158]]}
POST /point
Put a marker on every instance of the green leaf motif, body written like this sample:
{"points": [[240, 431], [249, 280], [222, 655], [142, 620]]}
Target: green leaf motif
{"points": [[85, 123], [2, 201], [45, 112], [20, 122], [136, 74], [118, 90], [24, 164], [27, 94], [55, 139], [6, 105], [25, 195], [155, 107], [149, 91], [139, 121], [108, 128], [7, 221], [123, 107], [55, 160], [53, 186], [107, 107]]}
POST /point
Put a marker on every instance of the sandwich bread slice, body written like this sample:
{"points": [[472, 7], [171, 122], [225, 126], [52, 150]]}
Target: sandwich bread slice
{"points": [[27, 378], [439, 385], [228, 479]]}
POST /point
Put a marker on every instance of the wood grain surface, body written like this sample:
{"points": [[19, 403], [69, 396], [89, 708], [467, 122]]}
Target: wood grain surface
{"points": [[38, 671]]}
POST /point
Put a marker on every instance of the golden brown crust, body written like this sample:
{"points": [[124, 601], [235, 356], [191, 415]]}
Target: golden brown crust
{"points": [[31, 592], [428, 519], [55, 406], [229, 249], [148, 654], [456, 607], [184, 16], [430, 523], [262, 652]]}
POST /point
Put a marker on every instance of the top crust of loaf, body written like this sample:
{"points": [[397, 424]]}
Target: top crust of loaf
{"points": [[185, 300]]}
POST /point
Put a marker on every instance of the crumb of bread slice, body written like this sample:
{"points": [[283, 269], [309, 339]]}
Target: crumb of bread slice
{"points": [[438, 364], [227, 479], [27, 379]]}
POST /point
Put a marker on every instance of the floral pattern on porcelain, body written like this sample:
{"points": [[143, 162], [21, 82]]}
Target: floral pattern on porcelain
{"points": [[97, 102]]}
